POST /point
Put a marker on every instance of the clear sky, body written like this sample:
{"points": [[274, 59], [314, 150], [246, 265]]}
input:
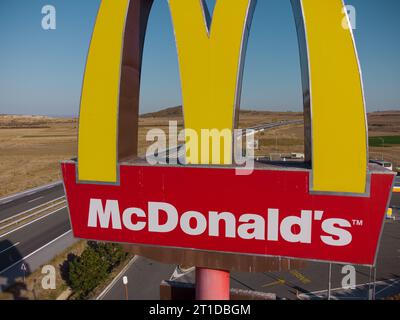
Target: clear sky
{"points": [[41, 71]]}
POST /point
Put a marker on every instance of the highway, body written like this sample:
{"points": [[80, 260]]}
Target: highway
{"points": [[11, 207], [42, 238], [39, 240], [32, 245]]}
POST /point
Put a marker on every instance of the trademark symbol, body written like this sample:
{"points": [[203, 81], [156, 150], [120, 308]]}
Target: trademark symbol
{"points": [[358, 223]]}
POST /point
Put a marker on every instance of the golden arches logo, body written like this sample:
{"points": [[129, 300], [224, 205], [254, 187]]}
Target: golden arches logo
{"points": [[211, 61]]}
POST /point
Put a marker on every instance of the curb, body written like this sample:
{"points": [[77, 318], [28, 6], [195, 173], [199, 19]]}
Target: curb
{"points": [[117, 277], [24, 193]]}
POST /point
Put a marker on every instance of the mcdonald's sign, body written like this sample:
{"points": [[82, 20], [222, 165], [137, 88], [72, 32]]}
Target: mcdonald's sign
{"points": [[326, 210]]}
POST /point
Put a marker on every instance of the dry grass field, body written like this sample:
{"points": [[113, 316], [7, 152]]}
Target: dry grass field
{"points": [[291, 139], [31, 148], [385, 124]]}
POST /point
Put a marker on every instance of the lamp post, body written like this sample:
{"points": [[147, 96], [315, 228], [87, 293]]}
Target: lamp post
{"points": [[125, 282]]}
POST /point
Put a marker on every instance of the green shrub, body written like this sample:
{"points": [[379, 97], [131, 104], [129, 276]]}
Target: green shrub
{"points": [[92, 267], [112, 252]]}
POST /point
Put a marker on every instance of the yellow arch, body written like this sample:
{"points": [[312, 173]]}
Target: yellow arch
{"points": [[98, 119], [210, 76], [339, 129], [210, 64]]}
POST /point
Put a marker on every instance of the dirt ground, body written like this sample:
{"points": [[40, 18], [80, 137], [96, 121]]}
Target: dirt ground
{"points": [[31, 148]]}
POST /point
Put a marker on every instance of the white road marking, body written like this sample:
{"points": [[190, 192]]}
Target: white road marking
{"points": [[30, 191], [32, 253], [14, 245], [27, 211], [30, 215], [318, 293], [177, 274], [387, 287], [112, 283], [27, 224], [35, 199]]}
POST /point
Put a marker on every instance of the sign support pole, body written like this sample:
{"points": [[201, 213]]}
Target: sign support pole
{"points": [[370, 293], [374, 285], [212, 284]]}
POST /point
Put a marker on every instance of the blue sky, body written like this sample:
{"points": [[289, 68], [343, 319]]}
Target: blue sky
{"points": [[41, 71]]}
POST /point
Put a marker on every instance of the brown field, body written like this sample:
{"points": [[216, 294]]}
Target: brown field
{"points": [[31, 148], [291, 139]]}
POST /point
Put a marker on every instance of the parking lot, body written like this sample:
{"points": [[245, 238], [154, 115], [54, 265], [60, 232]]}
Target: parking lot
{"points": [[312, 282]]}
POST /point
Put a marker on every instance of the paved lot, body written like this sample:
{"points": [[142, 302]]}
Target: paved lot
{"points": [[395, 203], [309, 283], [312, 282]]}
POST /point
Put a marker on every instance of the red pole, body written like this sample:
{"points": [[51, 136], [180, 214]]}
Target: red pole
{"points": [[212, 284]]}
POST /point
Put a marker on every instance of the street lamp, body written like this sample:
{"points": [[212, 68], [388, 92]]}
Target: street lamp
{"points": [[125, 282]]}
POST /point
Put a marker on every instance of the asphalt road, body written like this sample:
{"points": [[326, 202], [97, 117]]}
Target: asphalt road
{"points": [[29, 201], [31, 237], [38, 241], [18, 245], [145, 276], [395, 201], [312, 281]]}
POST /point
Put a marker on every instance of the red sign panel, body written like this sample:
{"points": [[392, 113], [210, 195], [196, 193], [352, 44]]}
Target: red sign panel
{"points": [[270, 212]]}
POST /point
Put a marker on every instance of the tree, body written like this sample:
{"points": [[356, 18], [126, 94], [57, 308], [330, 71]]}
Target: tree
{"points": [[112, 252], [87, 271]]}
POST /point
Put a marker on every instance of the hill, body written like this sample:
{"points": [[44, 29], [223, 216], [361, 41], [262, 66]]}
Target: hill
{"points": [[176, 112]]}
